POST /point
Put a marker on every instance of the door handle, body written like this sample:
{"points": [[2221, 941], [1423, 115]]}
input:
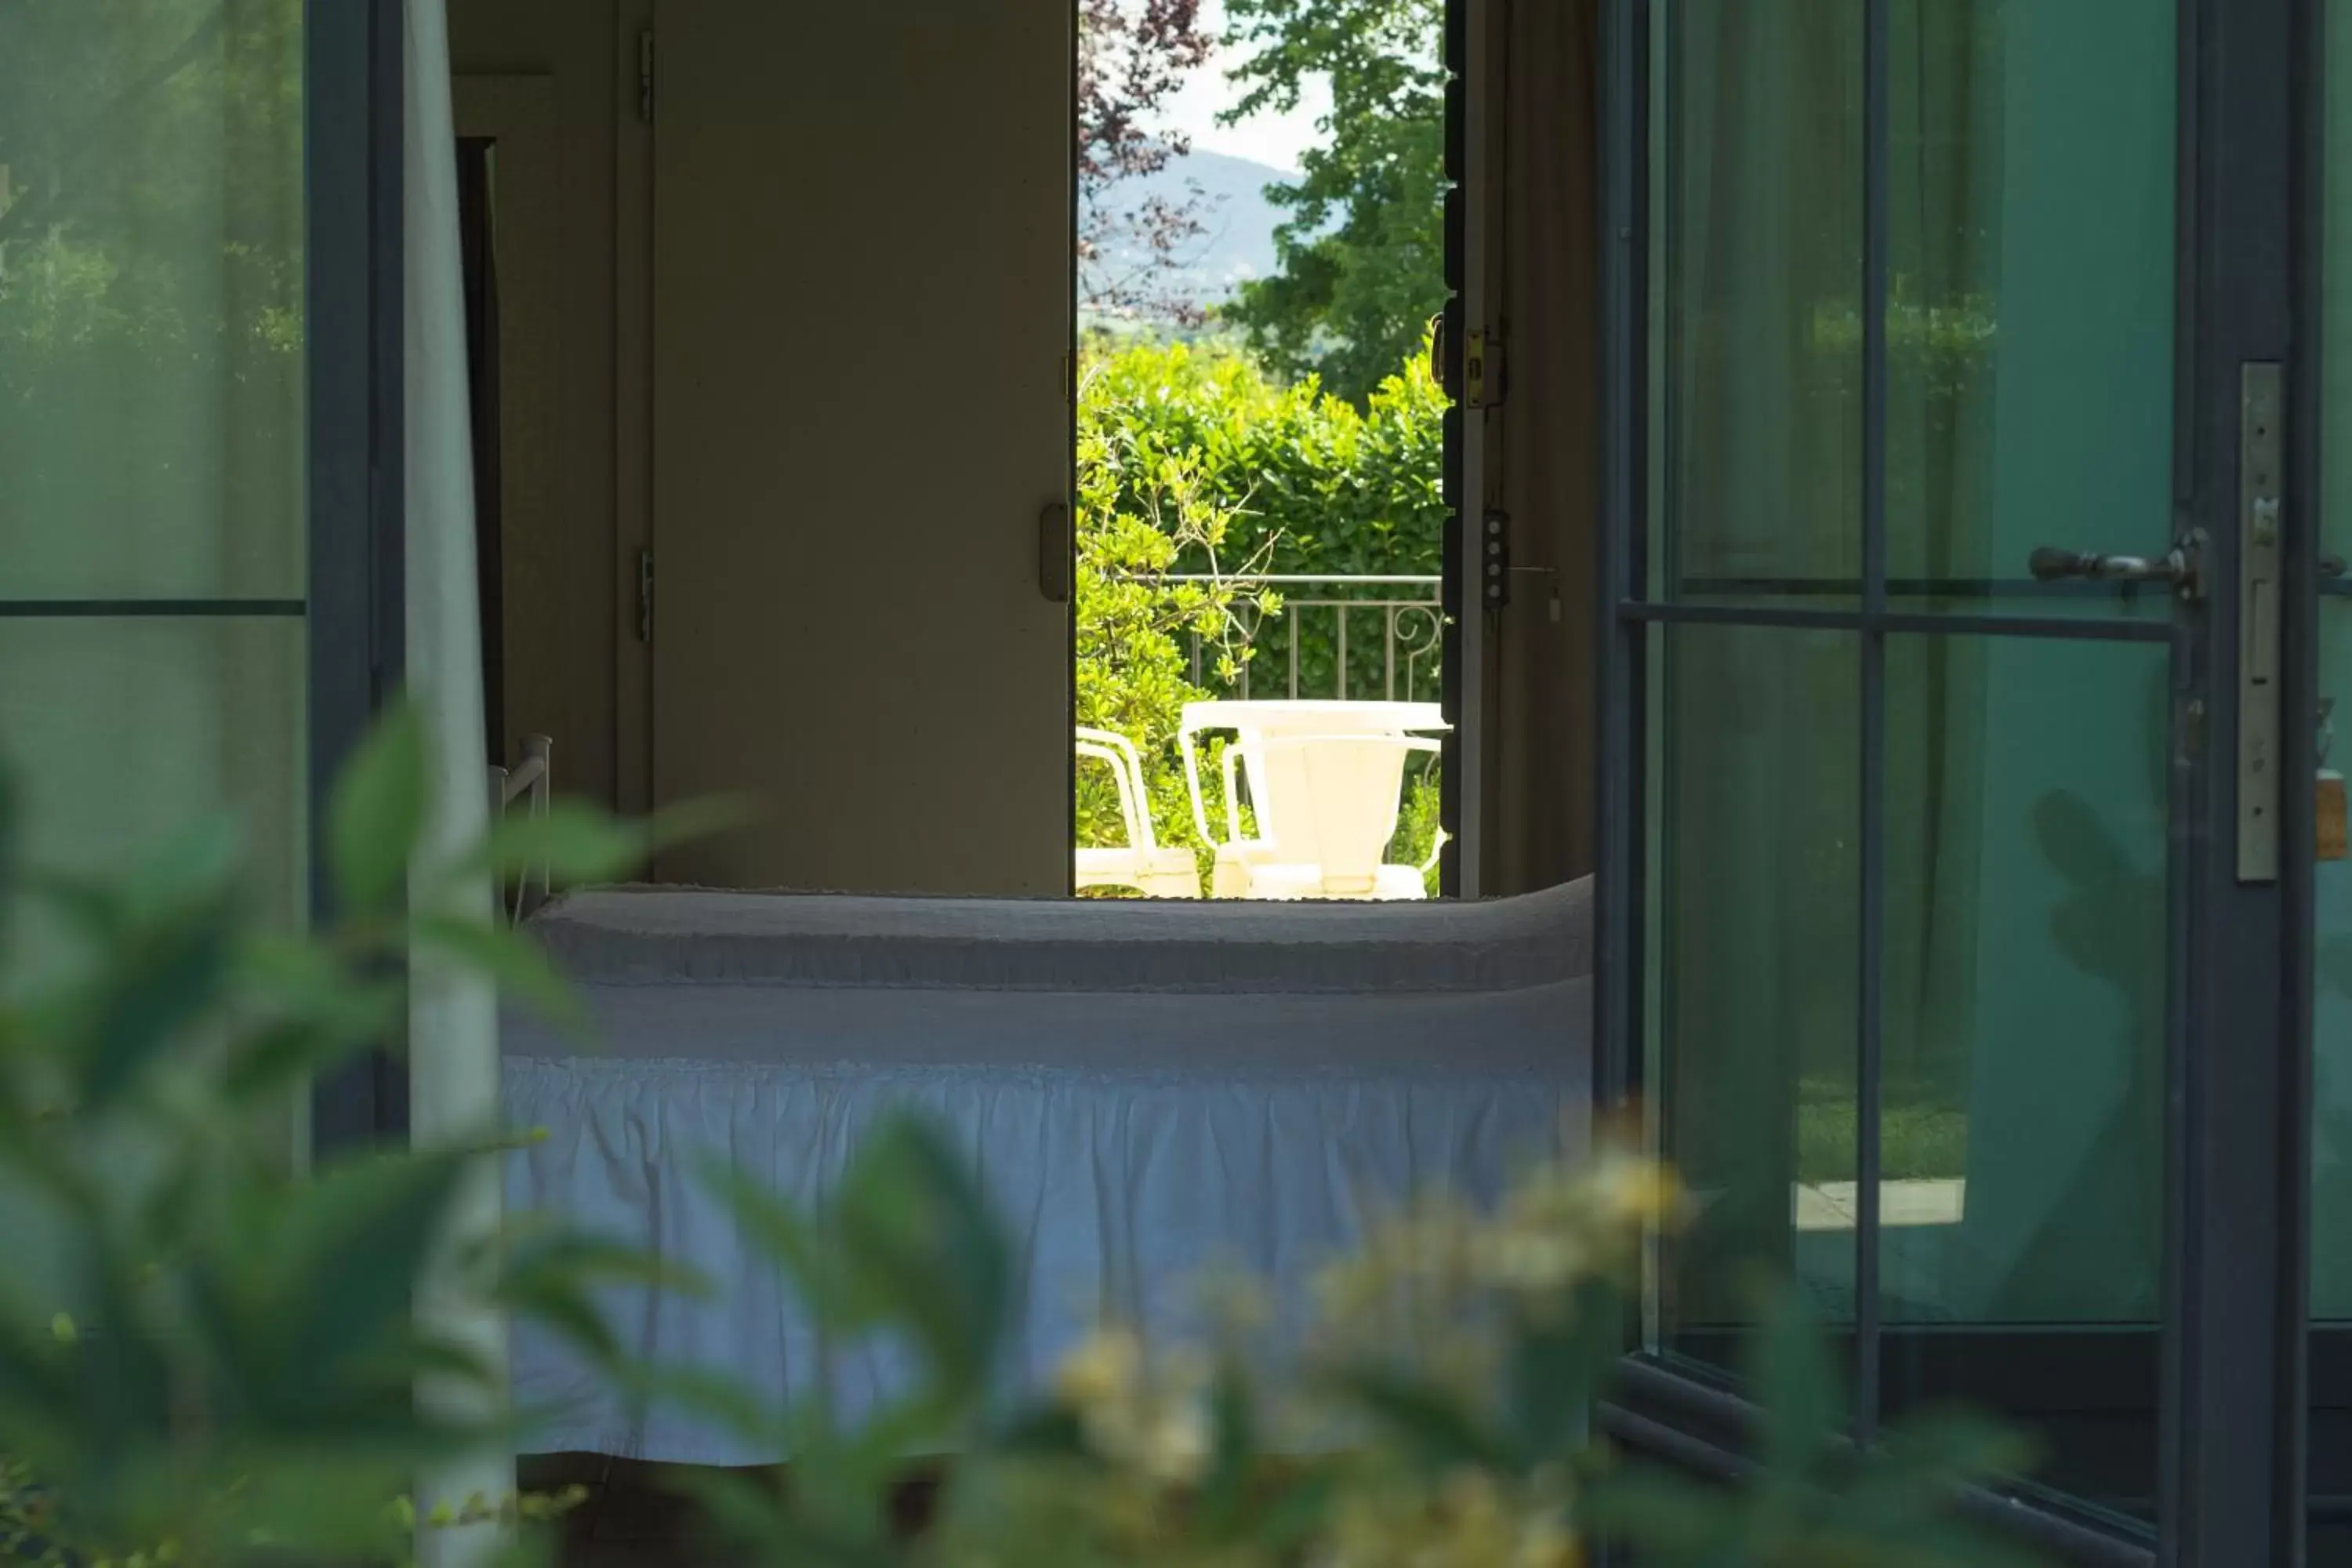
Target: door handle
{"points": [[2177, 566], [1053, 547]]}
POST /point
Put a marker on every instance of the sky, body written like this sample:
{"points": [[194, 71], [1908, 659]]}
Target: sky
{"points": [[1275, 140]]}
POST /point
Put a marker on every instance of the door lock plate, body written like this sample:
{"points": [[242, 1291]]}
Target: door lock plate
{"points": [[2260, 463]]}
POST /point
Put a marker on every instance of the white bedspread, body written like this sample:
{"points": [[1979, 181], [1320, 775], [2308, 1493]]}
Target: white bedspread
{"points": [[1133, 1126]]}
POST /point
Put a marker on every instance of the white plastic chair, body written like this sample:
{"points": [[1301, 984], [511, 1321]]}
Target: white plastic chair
{"points": [[532, 782], [1351, 787], [1141, 864]]}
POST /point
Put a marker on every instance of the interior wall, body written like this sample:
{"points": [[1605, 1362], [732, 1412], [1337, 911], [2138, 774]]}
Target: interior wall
{"points": [[564, 646], [1543, 443]]}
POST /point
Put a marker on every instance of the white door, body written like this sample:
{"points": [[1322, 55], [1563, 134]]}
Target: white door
{"points": [[862, 262]]}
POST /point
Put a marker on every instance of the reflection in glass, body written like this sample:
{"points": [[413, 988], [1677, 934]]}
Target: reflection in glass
{"points": [[151, 300], [151, 425], [137, 729], [2028, 332], [152, 434], [2025, 965], [1759, 341], [1754, 812]]}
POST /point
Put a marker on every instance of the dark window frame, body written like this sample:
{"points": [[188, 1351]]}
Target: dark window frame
{"points": [[2233, 1351], [354, 132]]}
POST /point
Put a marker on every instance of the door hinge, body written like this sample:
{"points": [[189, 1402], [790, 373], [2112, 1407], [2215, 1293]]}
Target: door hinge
{"points": [[644, 595], [646, 76], [1495, 558]]}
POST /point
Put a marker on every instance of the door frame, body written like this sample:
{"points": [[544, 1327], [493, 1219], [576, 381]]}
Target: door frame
{"points": [[2232, 1349], [354, 126]]}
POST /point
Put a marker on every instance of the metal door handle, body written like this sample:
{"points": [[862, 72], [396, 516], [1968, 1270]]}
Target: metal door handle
{"points": [[2177, 566]]}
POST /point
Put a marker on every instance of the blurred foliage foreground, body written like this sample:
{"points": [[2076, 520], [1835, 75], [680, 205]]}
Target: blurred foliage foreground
{"points": [[208, 1358]]}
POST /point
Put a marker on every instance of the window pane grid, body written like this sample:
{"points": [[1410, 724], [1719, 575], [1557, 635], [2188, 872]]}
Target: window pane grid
{"points": [[1956, 274]]}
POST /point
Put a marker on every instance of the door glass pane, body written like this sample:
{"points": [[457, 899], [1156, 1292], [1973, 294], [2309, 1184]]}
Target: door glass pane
{"points": [[2031, 299], [153, 433], [1759, 296], [151, 423], [2024, 965], [1753, 813], [123, 732], [2024, 1032]]}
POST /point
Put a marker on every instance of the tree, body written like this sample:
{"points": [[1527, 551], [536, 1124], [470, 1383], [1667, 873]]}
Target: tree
{"points": [[1133, 55], [1362, 252]]}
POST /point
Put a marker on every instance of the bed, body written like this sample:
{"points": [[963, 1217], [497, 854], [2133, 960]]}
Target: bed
{"points": [[1151, 1091]]}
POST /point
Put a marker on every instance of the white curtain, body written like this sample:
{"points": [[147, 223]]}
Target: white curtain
{"points": [[453, 1028]]}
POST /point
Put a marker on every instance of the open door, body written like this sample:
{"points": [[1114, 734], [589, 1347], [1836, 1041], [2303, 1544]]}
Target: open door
{"points": [[856, 595], [1947, 855]]}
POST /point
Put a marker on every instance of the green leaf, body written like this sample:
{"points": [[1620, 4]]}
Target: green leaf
{"points": [[909, 1244], [327, 1273], [159, 984], [711, 1393], [922, 1240], [377, 816], [1551, 1369], [512, 960], [283, 1056], [571, 843], [1430, 1424], [554, 1280], [1225, 1493], [1798, 1396], [745, 1507], [1041, 1431], [1672, 1520]]}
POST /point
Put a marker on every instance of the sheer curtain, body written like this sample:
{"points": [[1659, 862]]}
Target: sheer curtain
{"points": [[1757, 487], [153, 568], [2028, 332], [453, 1028], [151, 484]]}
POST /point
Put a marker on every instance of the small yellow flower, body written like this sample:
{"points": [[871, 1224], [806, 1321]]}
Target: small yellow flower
{"points": [[1106, 1366], [63, 1328], [1175, 1447]]}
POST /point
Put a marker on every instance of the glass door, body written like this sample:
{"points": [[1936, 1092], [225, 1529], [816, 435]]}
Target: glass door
{"points": [[1939, 842], [198, 311]]}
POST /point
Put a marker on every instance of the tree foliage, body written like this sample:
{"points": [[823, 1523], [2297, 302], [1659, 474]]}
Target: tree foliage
{"points": [[1361, 252], [1192, 462], [1133, 57], [1143, 511], [1325, 486]]}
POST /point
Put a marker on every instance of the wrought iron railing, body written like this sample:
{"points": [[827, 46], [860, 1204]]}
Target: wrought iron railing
{"points": [[1363, 636]]}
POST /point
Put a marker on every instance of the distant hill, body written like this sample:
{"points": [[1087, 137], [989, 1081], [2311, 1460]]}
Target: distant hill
{"points": [[1239, 222]]}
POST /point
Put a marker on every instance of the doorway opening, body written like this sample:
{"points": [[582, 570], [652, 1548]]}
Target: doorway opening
{"points": [[1263, 680]]}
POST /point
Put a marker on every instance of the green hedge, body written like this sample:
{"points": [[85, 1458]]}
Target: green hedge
{"points": [[1192, 460]]}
